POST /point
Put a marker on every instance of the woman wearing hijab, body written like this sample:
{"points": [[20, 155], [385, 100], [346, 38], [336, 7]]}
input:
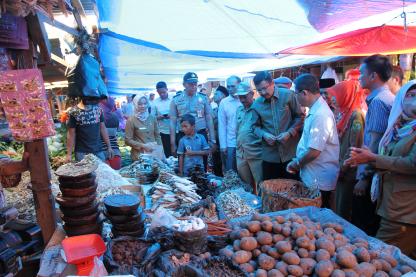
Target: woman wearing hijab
{"points": [[111, 121], [394, 185], [141, 129], [347, 98]]}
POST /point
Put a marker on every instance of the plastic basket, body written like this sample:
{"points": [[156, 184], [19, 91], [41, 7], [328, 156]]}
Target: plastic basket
{"points": [[282, 194]]}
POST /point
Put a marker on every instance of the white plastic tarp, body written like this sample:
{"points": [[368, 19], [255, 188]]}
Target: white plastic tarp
{"points": [[147, 41]]}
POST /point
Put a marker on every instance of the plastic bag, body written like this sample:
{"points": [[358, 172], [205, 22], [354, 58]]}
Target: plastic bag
{"points": [[157, 151], [99, 269], [162, 218]]}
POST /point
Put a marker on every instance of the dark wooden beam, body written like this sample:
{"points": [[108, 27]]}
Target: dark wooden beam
{"points": [[39, 36]]}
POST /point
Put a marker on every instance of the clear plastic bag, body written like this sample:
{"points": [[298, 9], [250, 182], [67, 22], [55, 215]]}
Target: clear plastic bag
{"points": [[99, 269]]}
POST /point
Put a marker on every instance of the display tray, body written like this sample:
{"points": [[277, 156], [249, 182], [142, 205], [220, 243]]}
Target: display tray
{"points": [[78, 192], [77, 183], [121, 204], [74, 202], [81, 220], [120, 219], [88, 209], [76, 170]]}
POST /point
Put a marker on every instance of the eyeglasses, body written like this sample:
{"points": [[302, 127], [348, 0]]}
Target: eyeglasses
{"points": [[299, 91], [192, 84]]}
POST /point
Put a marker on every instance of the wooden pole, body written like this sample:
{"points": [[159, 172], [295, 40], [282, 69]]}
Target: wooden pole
{"points": [[39, 167]]}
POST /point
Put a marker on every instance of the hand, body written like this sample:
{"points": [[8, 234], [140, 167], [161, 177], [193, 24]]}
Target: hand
{"points": [[283, 137], [293, 167], [147, 149], [269, 138], [189, 153], [110, 153], [361, 187], [360, 156], [213, 147]]}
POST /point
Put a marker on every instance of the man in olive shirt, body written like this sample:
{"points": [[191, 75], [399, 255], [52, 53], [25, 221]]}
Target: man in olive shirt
{"points": [[191, 102], [249, 162], [278, 121]]}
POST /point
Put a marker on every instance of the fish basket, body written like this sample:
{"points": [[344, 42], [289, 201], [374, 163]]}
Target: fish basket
{"points": [[283, 194]]}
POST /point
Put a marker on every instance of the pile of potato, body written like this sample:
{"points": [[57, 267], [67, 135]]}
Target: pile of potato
{"points": [[296, 246]]}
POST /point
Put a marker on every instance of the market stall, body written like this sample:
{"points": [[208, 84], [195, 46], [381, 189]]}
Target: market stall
{"points": [[164, 225]]}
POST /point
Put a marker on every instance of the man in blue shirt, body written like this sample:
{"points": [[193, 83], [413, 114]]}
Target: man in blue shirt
{"points": [[375, 71]]}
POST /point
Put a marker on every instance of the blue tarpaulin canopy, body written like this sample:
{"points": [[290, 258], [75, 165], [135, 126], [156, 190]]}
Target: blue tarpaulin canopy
{"points": [[143, 42]]}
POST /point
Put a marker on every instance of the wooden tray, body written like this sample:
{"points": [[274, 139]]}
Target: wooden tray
{"points": [[78, 192], [88, 209], [74, 183], [76, 170], [74, 202], [121, 204]]}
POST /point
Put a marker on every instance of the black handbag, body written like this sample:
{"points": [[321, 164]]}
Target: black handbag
{"points": [[84, 80]]}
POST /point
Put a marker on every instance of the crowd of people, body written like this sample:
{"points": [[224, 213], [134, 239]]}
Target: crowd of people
{"points": [[354, 141]]}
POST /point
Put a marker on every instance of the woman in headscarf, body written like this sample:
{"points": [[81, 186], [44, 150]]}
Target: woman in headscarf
{"points": [[141, 129], [394, 185], [111, 121], [346, 98]]}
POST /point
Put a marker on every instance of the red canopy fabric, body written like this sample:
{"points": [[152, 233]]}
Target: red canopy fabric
{"points": [[384, 39]]}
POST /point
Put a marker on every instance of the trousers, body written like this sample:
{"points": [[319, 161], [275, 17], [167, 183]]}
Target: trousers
{"points": [[250, 171]]}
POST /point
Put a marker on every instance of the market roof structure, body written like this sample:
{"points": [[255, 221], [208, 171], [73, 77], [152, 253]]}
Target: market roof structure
{"points": [[143, 42], [384, 39]]}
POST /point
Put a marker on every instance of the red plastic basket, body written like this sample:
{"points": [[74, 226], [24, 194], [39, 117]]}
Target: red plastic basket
{"points": [[81, 250]]}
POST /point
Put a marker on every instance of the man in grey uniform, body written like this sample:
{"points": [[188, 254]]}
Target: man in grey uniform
{"points": [[196, 104]]}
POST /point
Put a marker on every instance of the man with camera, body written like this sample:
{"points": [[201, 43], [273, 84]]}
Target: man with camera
{"points": [[160, 110]]}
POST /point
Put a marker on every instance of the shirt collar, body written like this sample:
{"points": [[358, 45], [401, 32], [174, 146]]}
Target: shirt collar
{"points": [[315, 107], [275, 94], [376, 92]]}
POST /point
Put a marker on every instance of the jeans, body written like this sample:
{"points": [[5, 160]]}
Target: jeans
{"points": [[80, 155]]}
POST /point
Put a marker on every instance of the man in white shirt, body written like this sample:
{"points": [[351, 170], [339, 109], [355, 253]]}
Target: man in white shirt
{"points": [[317, 154], [128, 108], [161, 109], [227, 125]]}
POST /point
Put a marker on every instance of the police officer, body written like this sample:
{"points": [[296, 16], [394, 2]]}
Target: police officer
{"points": [[192, 102]]}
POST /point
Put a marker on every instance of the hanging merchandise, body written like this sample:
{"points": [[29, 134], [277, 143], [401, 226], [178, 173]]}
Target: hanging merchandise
{"points": [[23, 98], [13, 32], [84, 80]]}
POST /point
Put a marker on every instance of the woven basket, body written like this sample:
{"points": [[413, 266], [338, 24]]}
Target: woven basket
{"points": [[283, 194]]}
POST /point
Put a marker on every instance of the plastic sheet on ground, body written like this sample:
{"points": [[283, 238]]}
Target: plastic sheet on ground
{"points": [[351, 231]]}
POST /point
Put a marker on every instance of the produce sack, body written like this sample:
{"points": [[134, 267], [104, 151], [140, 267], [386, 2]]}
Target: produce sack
{"points": [[84, 80], [194, 242], [170, 260], [220, 266], [122, 264]]}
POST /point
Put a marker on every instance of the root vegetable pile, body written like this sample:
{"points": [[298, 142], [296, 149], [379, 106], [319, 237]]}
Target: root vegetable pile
{"points": [[296, 246]]}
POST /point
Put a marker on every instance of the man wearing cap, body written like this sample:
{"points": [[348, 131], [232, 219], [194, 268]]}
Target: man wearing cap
{"points": [[226, 124], [161, 110], [249, 149], [283, 82], [194, 103], [279, 123]]}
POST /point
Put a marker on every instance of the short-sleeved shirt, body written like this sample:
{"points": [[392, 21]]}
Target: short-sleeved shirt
{"points": [[87, 128], [320, 133], [196, 105], [379, 104], [162, 107], [192, 143]]}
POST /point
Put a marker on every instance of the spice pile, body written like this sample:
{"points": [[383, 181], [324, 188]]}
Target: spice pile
{"points": [[172, 192], [232, 205], [297, 246], [21, 198]]}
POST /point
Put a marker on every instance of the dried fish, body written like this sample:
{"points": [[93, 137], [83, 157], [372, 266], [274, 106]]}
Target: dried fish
{"points": [[232, 181], [232, 205]]}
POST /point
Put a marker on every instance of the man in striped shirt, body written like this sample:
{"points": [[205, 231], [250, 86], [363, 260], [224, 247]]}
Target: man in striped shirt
{"points": [[375, 71]]}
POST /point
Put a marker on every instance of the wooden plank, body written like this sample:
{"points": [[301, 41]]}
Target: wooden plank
{"points": [[39, 168], [39, 36], [58, 24]]}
